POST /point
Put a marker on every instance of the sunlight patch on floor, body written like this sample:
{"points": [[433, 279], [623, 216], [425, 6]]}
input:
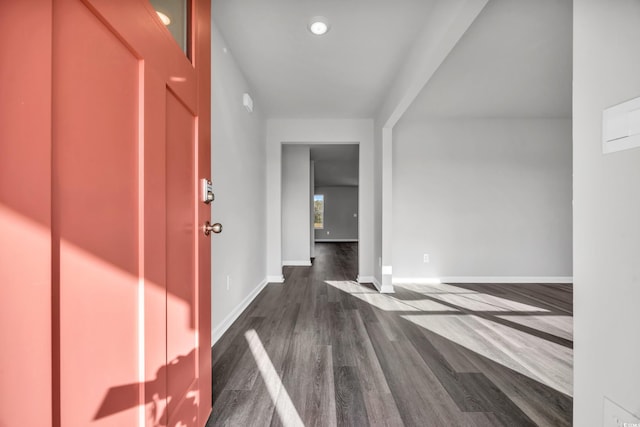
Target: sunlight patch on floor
{"points": [[471, 300], [383, 301], [350, 286], [448, 311], [284, 406], [544, 361], [372, 297], [558, 325]]}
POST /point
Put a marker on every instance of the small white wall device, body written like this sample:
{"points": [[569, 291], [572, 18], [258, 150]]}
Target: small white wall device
{"points": [[247, 102]]}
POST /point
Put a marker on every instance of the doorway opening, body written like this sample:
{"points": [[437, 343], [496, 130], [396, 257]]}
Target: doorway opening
{"points": [[320, 199]]}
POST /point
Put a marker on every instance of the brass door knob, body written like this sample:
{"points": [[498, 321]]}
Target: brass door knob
{"points": [[208, 228]]}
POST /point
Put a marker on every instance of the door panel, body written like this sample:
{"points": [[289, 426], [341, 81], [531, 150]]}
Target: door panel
{"points": [[96, 203], [181, 284], [25, 213], [155, 261]]}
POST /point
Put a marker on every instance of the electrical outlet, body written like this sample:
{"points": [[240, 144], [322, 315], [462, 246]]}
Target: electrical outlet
{"points": [[228, 282], [425, 258], [616, 416], [328, 232]]}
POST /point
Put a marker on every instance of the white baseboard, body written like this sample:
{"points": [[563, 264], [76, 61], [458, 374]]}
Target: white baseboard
{"points": [[275, 279], [483, 279], [384, 289], [417, 280], [374, 281], [336, 240], [296, 263], [219, 330], [365, 279]]}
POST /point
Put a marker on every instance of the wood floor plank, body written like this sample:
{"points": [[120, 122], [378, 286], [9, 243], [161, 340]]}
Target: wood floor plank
{"points": [[342, 336], [486, 397], [320, 405], [236, 408], [350, 408], [244, 375], [296, 381], [382, 409], [227, 366]]}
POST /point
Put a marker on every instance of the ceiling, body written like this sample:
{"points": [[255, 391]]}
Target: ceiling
{"points": [[335, 165], [343, 74], [514, 61]]}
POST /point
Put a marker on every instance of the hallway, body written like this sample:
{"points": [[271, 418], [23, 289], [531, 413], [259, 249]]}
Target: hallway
{"points": [[321, 349]]}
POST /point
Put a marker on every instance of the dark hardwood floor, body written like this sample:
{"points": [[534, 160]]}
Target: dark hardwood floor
{"points": [[323, 350]]}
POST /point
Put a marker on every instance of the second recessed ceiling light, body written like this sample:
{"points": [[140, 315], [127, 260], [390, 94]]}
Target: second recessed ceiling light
{"points": [[319, 25], [164, 18]]}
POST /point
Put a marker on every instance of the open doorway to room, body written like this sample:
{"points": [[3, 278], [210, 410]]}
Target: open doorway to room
{"points": [[320, 200], [335, 194]]}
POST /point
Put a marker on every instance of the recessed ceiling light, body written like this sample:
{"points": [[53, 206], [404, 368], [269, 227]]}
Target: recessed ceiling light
{"points": [[164, 18], [319, 25]]}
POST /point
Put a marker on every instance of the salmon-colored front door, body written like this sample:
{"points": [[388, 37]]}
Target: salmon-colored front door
{"points": [[129, 341]]}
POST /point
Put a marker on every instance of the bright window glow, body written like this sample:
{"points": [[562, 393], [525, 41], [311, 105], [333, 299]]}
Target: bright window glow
{"points": [[318, 211]]}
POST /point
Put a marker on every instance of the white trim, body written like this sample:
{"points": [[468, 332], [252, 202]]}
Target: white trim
{"points": [[235, 313], [484, 279], [296, 263], [275, 279], [378, 286], [386, 289], [336, 240], [417, 280]]}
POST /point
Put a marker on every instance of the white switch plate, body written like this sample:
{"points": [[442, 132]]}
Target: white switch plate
{"points": [[425, 258], [615, 416]]}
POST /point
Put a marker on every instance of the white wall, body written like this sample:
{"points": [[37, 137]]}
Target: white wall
{"points": [[443, 28], [295, 205], [484, 198], [606, 213], [319, 131], [340, 213], [238, 174]]}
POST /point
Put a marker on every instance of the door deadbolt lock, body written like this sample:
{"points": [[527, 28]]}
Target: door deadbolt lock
{"points": [[206, 192], [215, 228]]}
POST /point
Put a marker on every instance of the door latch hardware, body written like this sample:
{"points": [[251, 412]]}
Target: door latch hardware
{"points": [[208, 228], [206, 192]]}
